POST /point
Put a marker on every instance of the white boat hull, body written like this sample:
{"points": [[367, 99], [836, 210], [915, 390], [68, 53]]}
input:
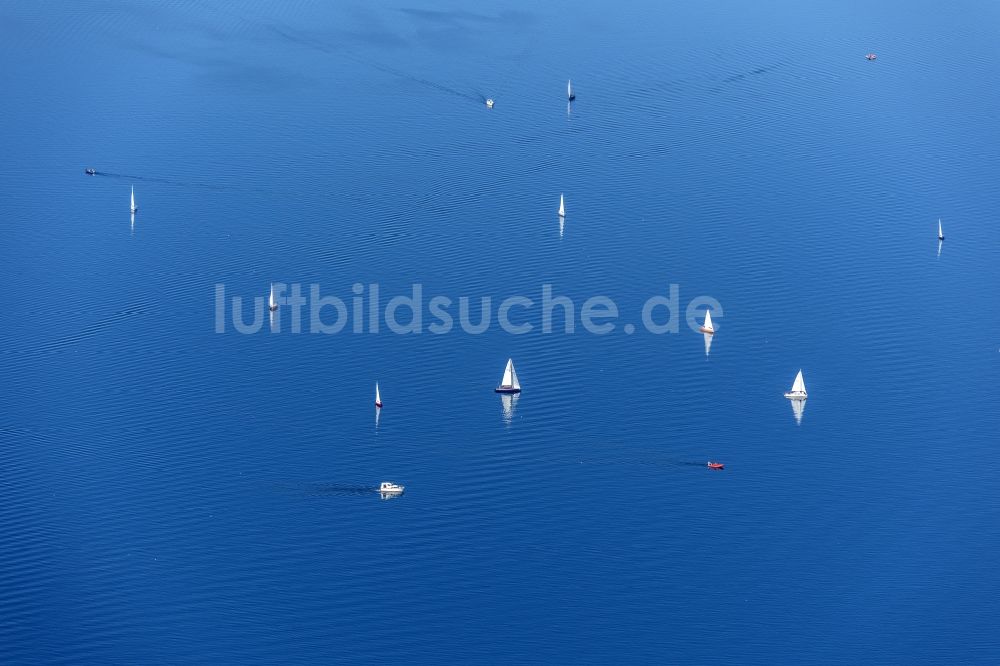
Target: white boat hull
{"points": [[796, 396]]}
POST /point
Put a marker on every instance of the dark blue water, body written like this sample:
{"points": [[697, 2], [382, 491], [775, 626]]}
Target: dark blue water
{"points": [[169, 494]]}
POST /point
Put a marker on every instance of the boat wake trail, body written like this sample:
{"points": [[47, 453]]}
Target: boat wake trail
{"points": [[643, 461], [325, 48], [151, 179], [324, 488], [338, 489], [475, 97]]}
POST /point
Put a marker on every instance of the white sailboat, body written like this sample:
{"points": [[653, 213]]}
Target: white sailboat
{"points": [[707, 326], [378, 398], [940, 232], [562, 206], [132, 207], [272, 302], [509, 383], [569, 90], [798, 391]]}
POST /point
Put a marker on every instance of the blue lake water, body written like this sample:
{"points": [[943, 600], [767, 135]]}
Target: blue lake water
{"points": [[170, 494]]}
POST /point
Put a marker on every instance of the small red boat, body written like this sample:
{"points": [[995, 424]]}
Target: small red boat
{"points": [[715, 465]]}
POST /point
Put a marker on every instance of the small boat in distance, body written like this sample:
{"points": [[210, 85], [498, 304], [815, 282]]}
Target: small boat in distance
{"points": [[798, 391], [715, 465], [569, 90], [272, 302], [941, 233], [489, 102], [387, 487], [562, 206], [707, 326], [870, 56], [90, 171], [509, 383], [378, 398], [132, 207]]}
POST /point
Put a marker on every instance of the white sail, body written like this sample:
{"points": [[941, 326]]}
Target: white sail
{"points": [[272, 302], [562, 207], [708, 321], [132, 200], [378, 398], [799, 386], [940, 232], [509, 376], [569, 89]]}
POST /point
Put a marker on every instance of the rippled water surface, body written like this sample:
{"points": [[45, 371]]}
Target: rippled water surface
{"points": [[169, 494]]}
